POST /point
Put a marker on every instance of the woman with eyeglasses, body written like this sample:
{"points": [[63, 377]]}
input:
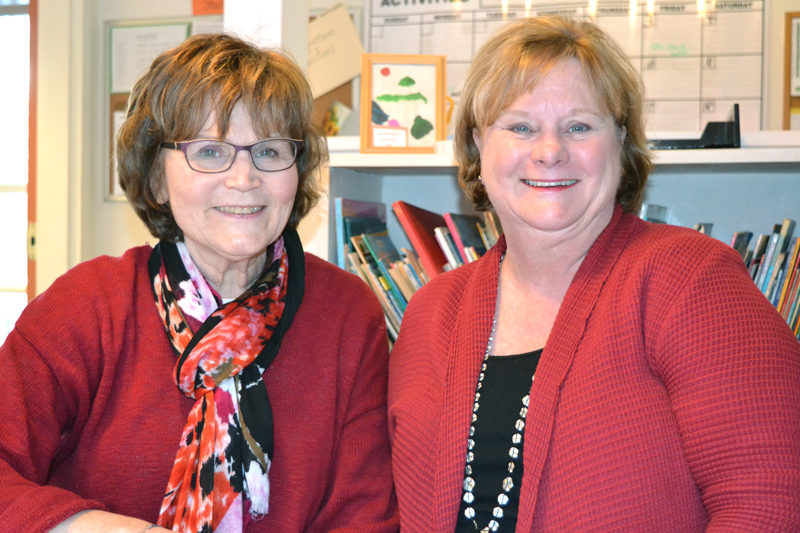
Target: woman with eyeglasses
{"points": [[222, 380]]}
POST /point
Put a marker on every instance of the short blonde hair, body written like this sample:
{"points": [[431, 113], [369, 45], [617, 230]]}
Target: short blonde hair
{"points": [[521, 53], [212, 73]]}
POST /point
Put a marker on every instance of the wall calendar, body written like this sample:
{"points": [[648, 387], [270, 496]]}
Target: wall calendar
{"points": [[696, 57]]}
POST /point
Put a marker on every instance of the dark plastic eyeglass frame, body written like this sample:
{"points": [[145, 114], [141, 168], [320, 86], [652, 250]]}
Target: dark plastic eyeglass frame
{"points": [[298, 146]]}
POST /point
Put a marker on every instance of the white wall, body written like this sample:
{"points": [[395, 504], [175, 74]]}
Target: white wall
{"points": [[57, 227], [75, 221], [110, 226]]}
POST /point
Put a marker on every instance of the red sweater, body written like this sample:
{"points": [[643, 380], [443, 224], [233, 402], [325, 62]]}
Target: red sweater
{"points": [[90, 417], [667, 397]]}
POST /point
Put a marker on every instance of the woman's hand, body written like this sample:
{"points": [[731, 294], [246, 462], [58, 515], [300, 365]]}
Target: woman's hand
{"points": [[104, 522]]}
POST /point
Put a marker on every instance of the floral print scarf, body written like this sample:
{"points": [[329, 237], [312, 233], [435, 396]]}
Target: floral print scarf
{"points": [[219, 479]]}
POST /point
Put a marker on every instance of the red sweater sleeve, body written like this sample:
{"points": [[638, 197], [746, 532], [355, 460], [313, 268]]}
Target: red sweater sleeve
{"points": [[360, 495], [732, 372], [51, 369]]}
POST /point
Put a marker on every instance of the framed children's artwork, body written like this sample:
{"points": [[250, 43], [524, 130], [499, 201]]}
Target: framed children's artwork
{"points": [[402, 103], [791, 90]]}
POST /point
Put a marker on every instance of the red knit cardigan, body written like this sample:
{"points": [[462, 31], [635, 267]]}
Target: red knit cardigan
{"points": [[667, 397], [91, 416]]}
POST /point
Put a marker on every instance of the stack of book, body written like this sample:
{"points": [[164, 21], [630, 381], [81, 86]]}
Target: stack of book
{"points": [[439, 243], [772, 260], [442, 242], [449, 240]]}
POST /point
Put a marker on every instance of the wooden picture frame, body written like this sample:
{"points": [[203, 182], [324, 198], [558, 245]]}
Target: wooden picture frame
{"points": [[791, 71], [402, 103]]}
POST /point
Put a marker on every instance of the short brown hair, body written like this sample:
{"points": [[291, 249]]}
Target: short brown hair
{"points": [[212, 73], [521, 53]]}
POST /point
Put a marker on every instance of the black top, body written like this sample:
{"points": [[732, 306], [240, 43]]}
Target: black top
{"points": [[506, 380]]}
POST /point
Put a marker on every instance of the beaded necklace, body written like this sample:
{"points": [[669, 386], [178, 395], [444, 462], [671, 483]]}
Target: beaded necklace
{"points": [[513, 453]]}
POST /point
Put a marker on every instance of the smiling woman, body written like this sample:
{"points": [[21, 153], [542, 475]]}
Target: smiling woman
{"points": [[580, 375], [562, 126], [209, 372], [230, 207]]}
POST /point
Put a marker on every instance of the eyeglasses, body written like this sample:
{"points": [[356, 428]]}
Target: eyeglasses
{"points": [[211, 155]]}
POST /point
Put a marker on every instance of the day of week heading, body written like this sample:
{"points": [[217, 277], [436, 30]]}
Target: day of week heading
{"points": [[735, 5], [397, 3], [565, 11], [672, 8], [496, 15], [613, 10]]}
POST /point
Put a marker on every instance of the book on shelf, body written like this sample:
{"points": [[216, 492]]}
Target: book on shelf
{"points": [[778, 241], [773, 262], [767, 257], [466, 235], [658, 214], [741, 243], [448, 247], [704, 227], [492, 227], [794, 313], [384, 253], [393, 274], [411, 258], [418, 225], [784, 241], [377, 281], [757, 254], [355, 265], [784, 275], [402, 279], [790, 280], [791, 304], [775, 273], [355, 217]]}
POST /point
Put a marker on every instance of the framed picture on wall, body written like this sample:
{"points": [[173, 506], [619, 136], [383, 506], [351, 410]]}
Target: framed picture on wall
{"points": [[793, 44], [131, 47], [402, 103], [791, 89]]}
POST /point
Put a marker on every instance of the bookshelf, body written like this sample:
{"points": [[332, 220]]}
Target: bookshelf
{"points": [[748, 188]]}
